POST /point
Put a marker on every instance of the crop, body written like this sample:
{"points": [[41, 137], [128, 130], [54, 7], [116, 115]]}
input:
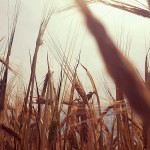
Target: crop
{"points": [[63, 115]]}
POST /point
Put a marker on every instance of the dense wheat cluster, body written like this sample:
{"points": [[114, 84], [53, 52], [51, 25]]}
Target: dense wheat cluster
{"points": [[62, 115]]}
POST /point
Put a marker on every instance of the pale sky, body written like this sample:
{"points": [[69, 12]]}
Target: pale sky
{"points": [[116, 21]]}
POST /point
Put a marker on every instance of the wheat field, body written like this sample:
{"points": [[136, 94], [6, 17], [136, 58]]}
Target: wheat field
{"points": [[62, 115]]}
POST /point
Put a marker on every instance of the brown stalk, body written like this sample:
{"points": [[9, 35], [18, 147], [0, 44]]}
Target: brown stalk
{"points": [[69, 108], [33, 73], [120, 69], [6, 65], [10, 132], [44, 127], [146, 130], [148, 3], [2, 39], [44, 86], [10, 43], [94, 88], [98, 101]]}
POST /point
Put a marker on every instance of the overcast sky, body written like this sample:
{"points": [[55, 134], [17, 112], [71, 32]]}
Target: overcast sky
{"points": [[121, 26]]}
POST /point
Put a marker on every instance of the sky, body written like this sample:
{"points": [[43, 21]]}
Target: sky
{"points": [[64, 26]]}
